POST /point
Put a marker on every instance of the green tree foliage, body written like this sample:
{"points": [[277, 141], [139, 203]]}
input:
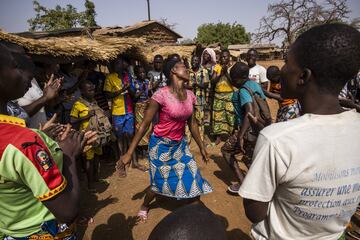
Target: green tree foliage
{"points": [[62, 17], [224, 33], [89, 14]]}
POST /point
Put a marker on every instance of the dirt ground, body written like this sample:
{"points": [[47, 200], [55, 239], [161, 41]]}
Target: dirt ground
{"points": [[117, 202], [115, 205]]}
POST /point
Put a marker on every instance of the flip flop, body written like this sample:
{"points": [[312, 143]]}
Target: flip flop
{"points": [[142, 217]]}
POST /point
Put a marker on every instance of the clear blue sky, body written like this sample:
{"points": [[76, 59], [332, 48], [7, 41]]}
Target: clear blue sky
{"points": [[188, 14]]}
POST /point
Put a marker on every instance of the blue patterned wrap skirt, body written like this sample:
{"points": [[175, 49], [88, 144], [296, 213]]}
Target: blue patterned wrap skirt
{"points": [[173, 170]]}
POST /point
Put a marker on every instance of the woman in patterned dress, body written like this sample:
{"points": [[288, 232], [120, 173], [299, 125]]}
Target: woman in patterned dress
{"points": [[223, 116], [173, 170], [142, 95]]}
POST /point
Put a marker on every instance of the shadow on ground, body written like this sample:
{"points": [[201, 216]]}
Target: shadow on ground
{"points": [[117, 227], [234, 234], [224, 174]]}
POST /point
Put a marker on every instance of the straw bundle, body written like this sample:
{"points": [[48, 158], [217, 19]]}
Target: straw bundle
{"points": [[101, 48], [183, 51]]}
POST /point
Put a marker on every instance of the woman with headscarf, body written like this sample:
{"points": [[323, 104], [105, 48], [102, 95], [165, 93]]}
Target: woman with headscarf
{"points": [[173, 170], [208, 62]]}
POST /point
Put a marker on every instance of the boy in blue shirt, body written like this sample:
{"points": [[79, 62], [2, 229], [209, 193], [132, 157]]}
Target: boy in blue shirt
{"points": [[243, 106]]}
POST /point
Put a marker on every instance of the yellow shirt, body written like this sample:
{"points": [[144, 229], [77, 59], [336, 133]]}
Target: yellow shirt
{"points": [[79, 110], [113, 84], [223, 86]]}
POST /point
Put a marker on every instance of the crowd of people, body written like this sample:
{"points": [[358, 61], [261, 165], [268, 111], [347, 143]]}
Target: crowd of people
{"points": [[303, 172]]}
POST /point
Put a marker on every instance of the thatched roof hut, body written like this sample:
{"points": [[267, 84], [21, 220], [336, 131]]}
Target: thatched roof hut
{"points": [[183, 51], [153, 31], [65, 49]]}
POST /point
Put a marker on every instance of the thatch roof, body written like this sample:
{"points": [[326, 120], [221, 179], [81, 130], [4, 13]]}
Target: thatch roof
{"points": [[101, 48], [127, 30], [183, 51], [58, 33]]}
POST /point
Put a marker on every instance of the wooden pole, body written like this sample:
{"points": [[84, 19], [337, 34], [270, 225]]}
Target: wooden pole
{"points": [[148, 4]]}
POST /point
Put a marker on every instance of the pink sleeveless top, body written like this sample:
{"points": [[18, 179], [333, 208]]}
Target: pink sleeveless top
{"points": [[173, 113]]}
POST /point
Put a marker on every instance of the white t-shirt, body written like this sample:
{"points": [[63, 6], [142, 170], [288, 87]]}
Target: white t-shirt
{"points": [[258, 74], [33, 94], [309, 170]]}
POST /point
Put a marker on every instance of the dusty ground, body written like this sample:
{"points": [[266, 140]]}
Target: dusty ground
{"points": [[115, 205]]}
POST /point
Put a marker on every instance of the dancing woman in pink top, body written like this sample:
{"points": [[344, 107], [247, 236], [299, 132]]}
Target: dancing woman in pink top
{"points": [[173, 170]]}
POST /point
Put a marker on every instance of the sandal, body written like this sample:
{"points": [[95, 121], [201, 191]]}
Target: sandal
{"points": [[234, 188], [142, 217]]}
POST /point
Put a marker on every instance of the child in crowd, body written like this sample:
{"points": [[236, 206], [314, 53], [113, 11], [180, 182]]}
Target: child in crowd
{"points": [[156, 76], [142, 95], [288, 108], [303, 182], [81, 112], [119, 87], [243, 105]]}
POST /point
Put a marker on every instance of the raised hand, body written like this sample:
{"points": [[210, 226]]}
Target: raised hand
{"points": [[52, 88]]}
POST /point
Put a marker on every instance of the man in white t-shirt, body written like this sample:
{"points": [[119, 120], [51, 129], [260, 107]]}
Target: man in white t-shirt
{"points": [[257, 72], [35, 99], [304, 182], [33, 94]]}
